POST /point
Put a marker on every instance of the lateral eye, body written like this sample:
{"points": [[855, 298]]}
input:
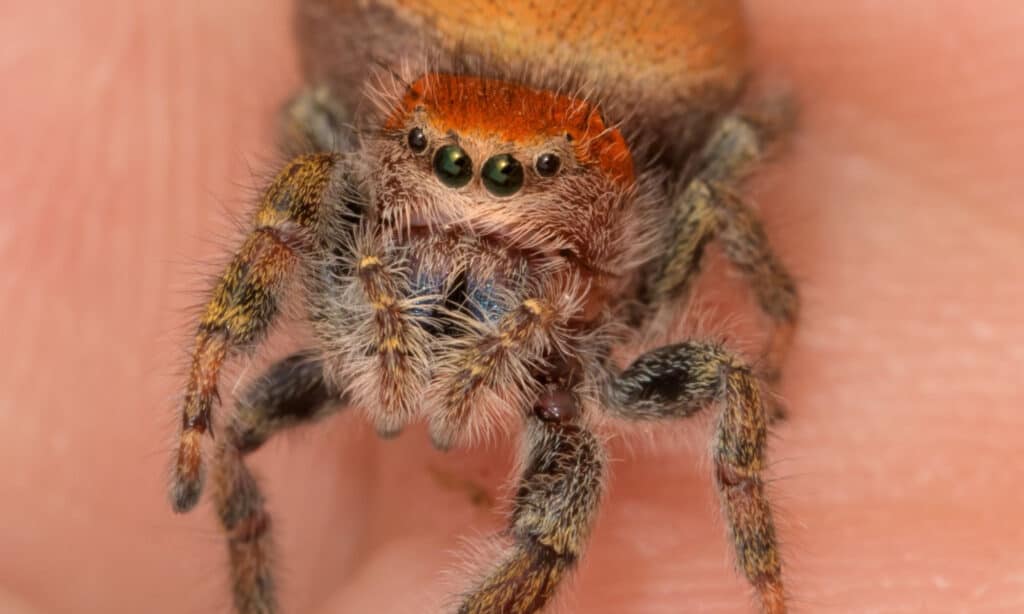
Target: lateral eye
{"points": [[547, 164], [502, 175], [453, 166], [417, 140]]}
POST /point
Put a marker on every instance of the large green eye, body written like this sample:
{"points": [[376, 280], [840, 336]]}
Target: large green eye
{"points": [[503, 175], [453, 166]]}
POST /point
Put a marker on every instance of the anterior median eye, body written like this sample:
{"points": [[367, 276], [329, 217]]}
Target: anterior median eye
{"points": [[502, 175], [453, 166]]}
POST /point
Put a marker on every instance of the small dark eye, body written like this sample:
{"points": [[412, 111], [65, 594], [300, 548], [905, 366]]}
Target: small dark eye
{"points": [[502, 175], [453, 166], [548, 164], [417, 140]]}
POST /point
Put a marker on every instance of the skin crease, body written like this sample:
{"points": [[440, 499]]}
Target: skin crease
{"points": [[130, 131]]}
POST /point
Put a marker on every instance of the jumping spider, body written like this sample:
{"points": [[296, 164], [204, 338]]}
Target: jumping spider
{"points": [[536, 184]]}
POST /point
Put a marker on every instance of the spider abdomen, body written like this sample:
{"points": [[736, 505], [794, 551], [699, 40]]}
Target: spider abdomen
{"points": [[647, 58]]}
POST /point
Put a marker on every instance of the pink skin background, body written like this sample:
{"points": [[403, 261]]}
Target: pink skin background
{"points": [[128, 134]]}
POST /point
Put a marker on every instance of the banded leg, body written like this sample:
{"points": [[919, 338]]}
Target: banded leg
{"points": [[244, 302], [293, 391], [391, 369], [708, 208], [675, 382], [553, 511]]}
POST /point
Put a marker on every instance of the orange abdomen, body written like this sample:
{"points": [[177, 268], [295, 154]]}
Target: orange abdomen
{"points": [[671, 48], [665, 66]]}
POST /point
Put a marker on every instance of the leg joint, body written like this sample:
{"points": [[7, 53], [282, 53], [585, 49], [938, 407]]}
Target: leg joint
{"points": [[248, 529]]}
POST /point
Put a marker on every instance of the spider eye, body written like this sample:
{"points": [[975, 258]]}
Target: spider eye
{"points": [[548, 164], [502, 175], [417, 140], [453, 166]]}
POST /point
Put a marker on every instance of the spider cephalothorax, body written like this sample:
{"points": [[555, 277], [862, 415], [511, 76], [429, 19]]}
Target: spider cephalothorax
{"points": [[497, 221], [474, 254], [541, 169]]}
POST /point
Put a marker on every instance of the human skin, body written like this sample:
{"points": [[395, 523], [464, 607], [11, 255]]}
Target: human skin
{"points": [[129, 133]]}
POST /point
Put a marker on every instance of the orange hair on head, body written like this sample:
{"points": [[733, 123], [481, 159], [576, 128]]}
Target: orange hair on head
{"points": [[519, 114]]}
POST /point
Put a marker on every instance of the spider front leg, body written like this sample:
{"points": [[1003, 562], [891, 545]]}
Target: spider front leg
{"points": [[245, 299], [709, 208], [553, 511], [675, 382], [291, 392]]}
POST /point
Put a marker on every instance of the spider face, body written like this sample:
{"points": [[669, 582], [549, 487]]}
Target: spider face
{"points": [[534, 171]]}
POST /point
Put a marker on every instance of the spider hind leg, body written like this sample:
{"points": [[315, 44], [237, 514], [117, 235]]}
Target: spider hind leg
{"points": [[708, 207], [315, 120]]}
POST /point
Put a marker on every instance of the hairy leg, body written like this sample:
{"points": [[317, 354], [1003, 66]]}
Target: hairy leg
{"points": [[291, 392], [244, 302], [552, 515], [315, 120], [675, 382], [710, 208], [490, 356]]}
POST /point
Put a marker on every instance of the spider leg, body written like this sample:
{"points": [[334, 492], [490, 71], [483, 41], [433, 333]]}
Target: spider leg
{"points": [[675, 382], [291, 392], [501, 353], [315, 120], [244, 302], [709, 208], [553, 511]]}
